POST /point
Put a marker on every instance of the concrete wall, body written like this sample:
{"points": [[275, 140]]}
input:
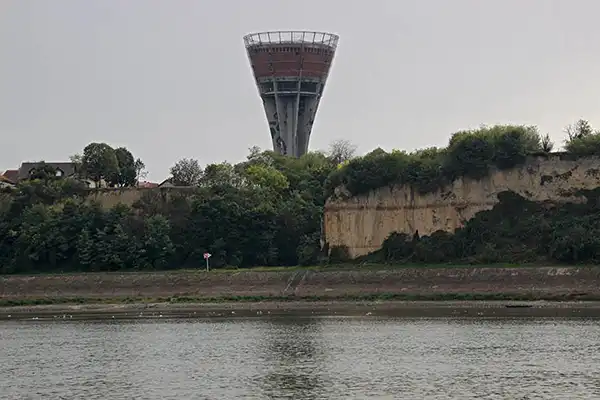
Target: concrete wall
{"points": [[108, 197], [362, 223], [111, 197]]}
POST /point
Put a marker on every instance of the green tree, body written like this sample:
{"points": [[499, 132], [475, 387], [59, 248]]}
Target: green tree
{"points": [[140, 170], [268, 210], [186, 172], [85, 250], [578, 130], [43, 171], [222, 174], [99, 162], [267, 177], [341, 151], [113, 248], [582, 139], [156, 244], [547, 143], [76, 159], [127, 172]]}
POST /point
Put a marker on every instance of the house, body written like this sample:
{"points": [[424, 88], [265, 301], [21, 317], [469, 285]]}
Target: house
{"points": [[12, 175], [92, 185], [147, 185], [167, 183], [63, 169], [5, 182]]}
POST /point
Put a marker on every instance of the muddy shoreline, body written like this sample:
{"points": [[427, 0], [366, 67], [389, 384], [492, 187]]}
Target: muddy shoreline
{"points": [[411, 309], [394, 291]]}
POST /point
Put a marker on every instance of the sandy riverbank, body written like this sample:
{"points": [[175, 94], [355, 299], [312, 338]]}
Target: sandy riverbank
{"points": [[422, 309], [549, 291]]}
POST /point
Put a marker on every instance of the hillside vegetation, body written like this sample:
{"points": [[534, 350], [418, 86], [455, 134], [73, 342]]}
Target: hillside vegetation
{"points": [[267, 210]]}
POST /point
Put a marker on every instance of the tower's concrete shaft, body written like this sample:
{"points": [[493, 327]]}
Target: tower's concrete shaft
{"points": [[291, 69]]}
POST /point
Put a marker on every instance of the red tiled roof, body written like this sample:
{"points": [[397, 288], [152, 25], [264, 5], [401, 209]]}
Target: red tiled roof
{"points": [[147, 184], [11, 174]]}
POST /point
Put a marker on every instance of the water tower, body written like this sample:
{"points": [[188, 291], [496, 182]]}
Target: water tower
{"points": [[291, 68]]}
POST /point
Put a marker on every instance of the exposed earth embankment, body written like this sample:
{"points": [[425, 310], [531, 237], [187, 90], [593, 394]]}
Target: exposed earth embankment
{"points": [[525, 282]]}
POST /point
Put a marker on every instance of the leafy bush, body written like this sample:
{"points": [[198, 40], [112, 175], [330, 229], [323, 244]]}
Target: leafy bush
{"points": [[264, 211], [514, 231], [584, 146], [268, 210], [339, 255], [469, 154]]}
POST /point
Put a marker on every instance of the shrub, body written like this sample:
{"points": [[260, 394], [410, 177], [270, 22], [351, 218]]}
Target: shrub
{"points": [[584, 146], [469, 154], [515, 230], [339, 255]]}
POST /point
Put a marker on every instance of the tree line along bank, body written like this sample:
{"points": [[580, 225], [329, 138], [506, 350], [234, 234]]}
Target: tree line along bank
{"points": [[267, 210]]}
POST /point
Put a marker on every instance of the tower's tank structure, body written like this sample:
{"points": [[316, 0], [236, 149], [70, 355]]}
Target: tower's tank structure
{"points": [[291, 68]]}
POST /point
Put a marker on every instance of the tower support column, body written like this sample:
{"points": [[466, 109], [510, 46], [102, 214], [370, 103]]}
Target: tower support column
{"points": [[291, 69]]}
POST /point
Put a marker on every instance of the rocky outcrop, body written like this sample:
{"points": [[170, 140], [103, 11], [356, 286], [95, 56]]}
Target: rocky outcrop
{"points": [[362, 223]]}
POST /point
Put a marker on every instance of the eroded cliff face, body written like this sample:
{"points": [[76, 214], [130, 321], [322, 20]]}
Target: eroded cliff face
{"points": [[363, 222]]}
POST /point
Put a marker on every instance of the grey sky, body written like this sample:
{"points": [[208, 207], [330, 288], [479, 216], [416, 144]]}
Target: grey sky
{"points": [[170, 79]]}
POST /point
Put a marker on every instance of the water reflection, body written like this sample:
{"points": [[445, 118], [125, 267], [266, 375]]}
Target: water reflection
{"points": [[294, 358], [301, 358]]}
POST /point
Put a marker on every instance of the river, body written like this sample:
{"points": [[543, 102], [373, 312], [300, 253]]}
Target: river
{"points": [[301, 358]]}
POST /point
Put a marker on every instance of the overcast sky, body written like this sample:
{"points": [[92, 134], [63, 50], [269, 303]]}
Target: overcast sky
{"points": [[170, 78]]}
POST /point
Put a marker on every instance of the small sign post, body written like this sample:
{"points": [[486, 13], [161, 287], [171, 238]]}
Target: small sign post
{"points": [[206, 257]]}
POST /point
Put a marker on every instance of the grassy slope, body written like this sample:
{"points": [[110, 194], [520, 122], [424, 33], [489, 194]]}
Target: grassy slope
{"points": [[339, 283], [316, 268]]}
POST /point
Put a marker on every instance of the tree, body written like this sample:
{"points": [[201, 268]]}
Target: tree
{"points": [[254, 151], [140, 170], [578, 130], [341, 150], [85, 249], [186, 172], [156, 244], [267, 177], [77, 160], [43, 172], [126, 175], [582, 139], [221, 174], [268, 210], [99, 162], [547, 144]]}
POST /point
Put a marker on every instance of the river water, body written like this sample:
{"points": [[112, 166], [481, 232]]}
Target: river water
{"points": [[301, 358]]}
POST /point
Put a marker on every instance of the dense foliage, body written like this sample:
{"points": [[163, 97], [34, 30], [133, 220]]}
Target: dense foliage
{"points": [[514, 231], [264, 211], [267, 210], [469, 154], [115, 167]]}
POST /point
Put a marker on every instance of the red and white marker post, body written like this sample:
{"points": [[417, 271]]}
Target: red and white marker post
{"points": [[206, 257]]}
